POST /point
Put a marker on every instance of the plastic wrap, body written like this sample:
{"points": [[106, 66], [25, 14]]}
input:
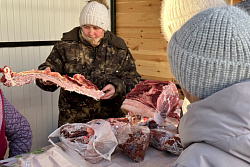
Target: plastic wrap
{"points": [[93, 140], [165, 140], [52, 157], [173, 145], [134, 141], [158, 138]]}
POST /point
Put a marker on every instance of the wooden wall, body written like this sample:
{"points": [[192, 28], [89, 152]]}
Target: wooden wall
{"points": [[138, 23]]}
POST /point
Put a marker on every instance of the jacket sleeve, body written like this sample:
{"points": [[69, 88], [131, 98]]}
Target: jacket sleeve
{"points": [[129, 77], [17, 130], [54, 62]]}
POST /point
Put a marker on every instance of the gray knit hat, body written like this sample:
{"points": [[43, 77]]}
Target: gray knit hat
{"points": [[211, 51], [95, 13]]}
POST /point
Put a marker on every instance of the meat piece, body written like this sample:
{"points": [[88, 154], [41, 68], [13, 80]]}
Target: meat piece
{"points": [[76, 84], [173, 145], [69, 131], [134, 141], [154, 99], [76, 133], [158, 138]]}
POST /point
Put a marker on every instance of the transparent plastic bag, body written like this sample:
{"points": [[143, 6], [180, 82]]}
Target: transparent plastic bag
{"points": [[134, 141], [92, 148]]}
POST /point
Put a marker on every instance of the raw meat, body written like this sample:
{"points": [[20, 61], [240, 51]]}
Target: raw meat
{"points": [[93, 140], [154, 99], [77, 84], [158, 138], [134, 141], [173, 145]]}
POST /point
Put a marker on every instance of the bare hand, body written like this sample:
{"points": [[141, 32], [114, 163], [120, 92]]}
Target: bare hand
{"points": [[109, 91]]}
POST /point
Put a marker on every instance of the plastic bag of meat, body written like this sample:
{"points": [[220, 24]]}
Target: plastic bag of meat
{"points": [[173, 145], [158, 138], [93, 140], [118, 123], [165, 140], [134, 141]]}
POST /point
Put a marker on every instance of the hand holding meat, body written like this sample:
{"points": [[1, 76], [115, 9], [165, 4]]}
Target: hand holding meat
{"points": [[109, 91]]}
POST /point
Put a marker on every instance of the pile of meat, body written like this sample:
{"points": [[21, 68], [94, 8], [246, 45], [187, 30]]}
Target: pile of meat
{"points": [[154, 99], [135, 134], [77, 84]]}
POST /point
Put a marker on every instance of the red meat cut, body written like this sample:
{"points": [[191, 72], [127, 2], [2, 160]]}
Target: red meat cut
{"points": [[154, 99], [77, 84]]}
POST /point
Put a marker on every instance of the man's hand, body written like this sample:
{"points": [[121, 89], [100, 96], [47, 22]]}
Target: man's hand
{"points": [[109, 91]]}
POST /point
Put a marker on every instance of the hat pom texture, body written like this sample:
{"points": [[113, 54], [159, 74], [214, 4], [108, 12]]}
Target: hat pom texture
{"points": [[95, 13], [174, 13], [211, 51]]}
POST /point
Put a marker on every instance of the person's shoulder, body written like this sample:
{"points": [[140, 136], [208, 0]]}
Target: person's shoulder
{"points": [[72, 35], [115, 40]]}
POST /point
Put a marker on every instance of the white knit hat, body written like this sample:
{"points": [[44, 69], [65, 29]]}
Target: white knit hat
{"points": [[95, 13], [174, 13]]}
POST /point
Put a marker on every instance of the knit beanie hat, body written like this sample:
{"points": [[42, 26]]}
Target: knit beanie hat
{"points": [[174, 13], [95, 13], [211, 51]]}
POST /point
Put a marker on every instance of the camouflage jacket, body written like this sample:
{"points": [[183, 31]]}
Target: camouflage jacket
{"points": [[108, 63]]}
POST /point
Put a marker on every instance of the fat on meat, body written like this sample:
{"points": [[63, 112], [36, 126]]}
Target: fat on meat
{"points": [[76, 84], [154, 99]]}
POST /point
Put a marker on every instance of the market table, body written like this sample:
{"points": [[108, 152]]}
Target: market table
{"points": [[153, 158]]}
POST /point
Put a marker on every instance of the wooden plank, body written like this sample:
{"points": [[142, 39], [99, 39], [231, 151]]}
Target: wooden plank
{"points": [[139, 20], [159, 69], [142, 32], [146, 44], [149, 6], [158, 78], [154, 56]]}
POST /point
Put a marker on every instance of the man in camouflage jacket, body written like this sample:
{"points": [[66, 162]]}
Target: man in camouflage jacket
{"points": [[108, 63]]}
